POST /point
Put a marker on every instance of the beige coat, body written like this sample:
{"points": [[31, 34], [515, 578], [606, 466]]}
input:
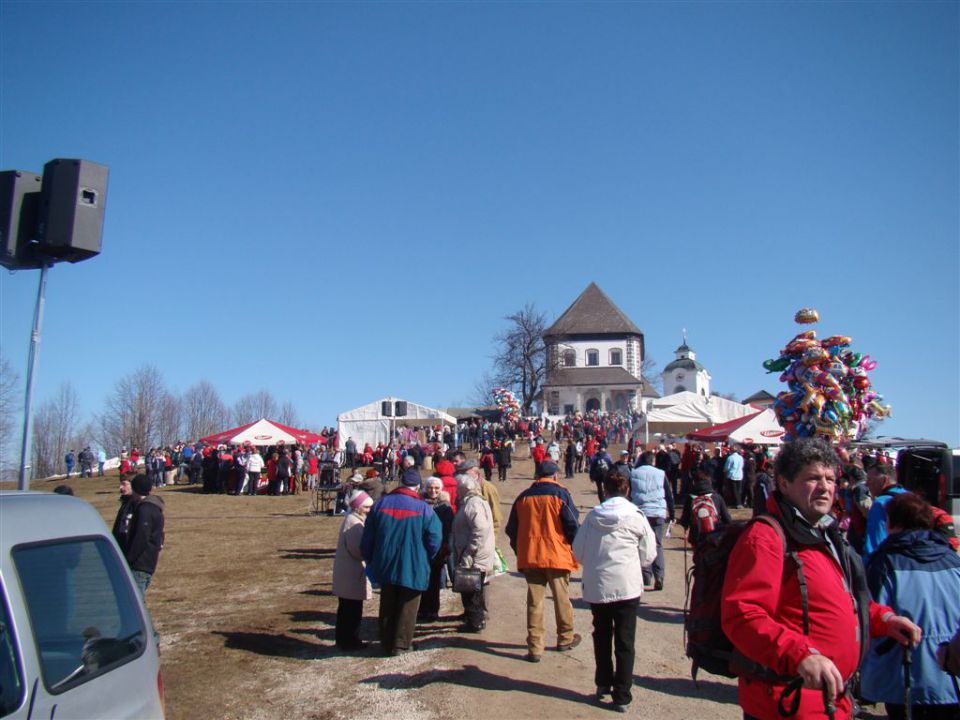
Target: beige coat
{"points": [[349, 580], [472, 533], [492, 496]]}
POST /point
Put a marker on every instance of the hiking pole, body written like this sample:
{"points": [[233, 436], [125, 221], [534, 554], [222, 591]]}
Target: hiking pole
{"points": [[907, 681], [829, 707]]}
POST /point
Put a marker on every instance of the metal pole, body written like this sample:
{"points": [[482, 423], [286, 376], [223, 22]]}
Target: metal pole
{"points": [[31, 374]]}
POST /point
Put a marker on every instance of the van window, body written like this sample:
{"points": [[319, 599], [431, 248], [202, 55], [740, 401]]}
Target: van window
{"points": [[11, 674], [82, 609]]}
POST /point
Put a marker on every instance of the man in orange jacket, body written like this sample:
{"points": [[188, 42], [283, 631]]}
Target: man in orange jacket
{"points": [[543, 523]]}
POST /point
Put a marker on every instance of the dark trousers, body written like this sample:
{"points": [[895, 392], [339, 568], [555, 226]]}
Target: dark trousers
{"points": [[253, 482], [657, 569], [614, 632], [502, 473], [600, 494], [474, 604], [736, 492], [349, 615], [398, 617], [430, 600]]}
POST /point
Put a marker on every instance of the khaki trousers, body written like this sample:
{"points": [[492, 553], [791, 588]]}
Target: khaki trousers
{"points": [[559, 582]]}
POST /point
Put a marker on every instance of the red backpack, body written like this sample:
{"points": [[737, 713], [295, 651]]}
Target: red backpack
{"points": [[704, 517]]}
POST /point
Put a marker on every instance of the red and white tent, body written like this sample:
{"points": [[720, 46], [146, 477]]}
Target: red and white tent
{"points": [[262, 432], [759, 428]]}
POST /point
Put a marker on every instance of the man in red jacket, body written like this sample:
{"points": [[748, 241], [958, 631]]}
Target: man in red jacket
{"points": [[823, 638]]}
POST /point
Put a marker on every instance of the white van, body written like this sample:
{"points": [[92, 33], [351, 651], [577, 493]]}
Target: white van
{"points": [[76, 640]]}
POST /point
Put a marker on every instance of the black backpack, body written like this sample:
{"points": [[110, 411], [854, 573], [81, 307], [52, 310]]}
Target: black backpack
{"points": [[707, 645]]}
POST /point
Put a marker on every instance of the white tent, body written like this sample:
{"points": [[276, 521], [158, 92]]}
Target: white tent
{"points": [[368, 424], [683, 412], [761, 428]]}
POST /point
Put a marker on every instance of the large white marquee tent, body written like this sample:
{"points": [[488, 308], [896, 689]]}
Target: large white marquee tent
{"points": [[683, 412], [367, 424]]}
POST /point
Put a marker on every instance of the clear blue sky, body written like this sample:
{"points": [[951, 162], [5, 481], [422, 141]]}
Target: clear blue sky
{"points": [[339, 202]]}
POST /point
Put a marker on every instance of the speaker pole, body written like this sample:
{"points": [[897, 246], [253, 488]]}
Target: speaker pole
{"points": [[31, 368]]}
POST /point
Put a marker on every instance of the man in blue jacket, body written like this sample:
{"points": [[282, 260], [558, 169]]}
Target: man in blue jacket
{"points": [[400, 538], [882, 481]]}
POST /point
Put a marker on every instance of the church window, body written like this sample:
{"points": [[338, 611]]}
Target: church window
{"points": [[593, 358], [616, 356], [569, 358]]}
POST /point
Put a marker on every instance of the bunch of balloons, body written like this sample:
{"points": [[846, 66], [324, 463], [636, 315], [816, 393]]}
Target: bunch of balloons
{"points": [[829, 391], [507, 403]]}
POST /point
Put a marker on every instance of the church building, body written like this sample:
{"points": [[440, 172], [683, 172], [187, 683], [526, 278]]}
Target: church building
{"points": [[594, 358], [685, 374]]}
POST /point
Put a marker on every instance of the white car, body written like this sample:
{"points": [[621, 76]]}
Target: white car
{"points": [[76, 640]]}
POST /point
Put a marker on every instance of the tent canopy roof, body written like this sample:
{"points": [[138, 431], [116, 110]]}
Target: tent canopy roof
{"points": [[415, 412], [262, 432], [759, 428]]}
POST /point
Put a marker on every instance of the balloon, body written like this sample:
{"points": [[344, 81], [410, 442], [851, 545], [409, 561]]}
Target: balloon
{"points": [[829, 392], [806, 316]]}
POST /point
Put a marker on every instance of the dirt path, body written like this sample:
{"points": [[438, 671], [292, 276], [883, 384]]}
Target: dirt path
{"points": [[242, 602]]}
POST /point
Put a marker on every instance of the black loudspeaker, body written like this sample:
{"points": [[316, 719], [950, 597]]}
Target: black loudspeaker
{"points": [[401, 408], [72, 204], [19, 204], [386, 408]]}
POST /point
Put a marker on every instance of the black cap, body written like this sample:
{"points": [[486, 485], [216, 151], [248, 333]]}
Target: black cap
{"points": [[548, 468]]}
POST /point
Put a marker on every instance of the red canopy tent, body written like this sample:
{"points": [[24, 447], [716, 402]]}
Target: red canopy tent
{"points": [[759, 428], [263, 432]]}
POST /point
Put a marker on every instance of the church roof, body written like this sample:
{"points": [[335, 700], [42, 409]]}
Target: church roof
{"points": [[593, 313], [759, 396], [683, 364], [591, 376]]}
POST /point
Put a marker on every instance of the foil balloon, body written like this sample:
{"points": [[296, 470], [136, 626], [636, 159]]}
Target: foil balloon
{"points": [[829, 393]]}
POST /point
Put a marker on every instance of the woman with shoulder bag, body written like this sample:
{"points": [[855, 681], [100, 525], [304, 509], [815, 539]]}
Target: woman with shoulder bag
{"points": [[474, 550]]}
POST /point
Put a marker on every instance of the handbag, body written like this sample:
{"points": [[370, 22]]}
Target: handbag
{"points": [[467, 580]]}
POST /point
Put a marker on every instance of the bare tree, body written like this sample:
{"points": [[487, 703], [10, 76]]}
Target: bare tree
{"points": [[55, 426], [482, 394], [253, 407], [520, 362], [9, 390], [203, 410], [168, 419], [287, 415], [650, 372], [131, 414]]}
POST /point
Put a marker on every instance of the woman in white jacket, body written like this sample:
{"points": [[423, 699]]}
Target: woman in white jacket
{"points": [[614, 542]]}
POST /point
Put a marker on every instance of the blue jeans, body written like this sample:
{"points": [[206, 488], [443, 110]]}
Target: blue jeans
{"points": [[143, 581], [655, 572]]}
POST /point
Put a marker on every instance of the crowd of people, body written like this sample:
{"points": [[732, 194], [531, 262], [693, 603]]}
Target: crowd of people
{"points": [[805, 632], [844, 588]]}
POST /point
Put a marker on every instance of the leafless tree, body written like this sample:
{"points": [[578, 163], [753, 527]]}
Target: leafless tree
{"points": [[9, 392], [520, 360], [168, 419], [253, 407], [651, 373], [287, 415], [203, 410], [132, 412], [482, 394], [55, 426]]}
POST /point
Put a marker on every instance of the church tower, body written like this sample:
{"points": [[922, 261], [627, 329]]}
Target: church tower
{"points": [[685, 374]]}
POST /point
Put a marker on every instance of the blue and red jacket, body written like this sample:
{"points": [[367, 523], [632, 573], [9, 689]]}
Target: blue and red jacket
{"points": [[401, 536]]}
